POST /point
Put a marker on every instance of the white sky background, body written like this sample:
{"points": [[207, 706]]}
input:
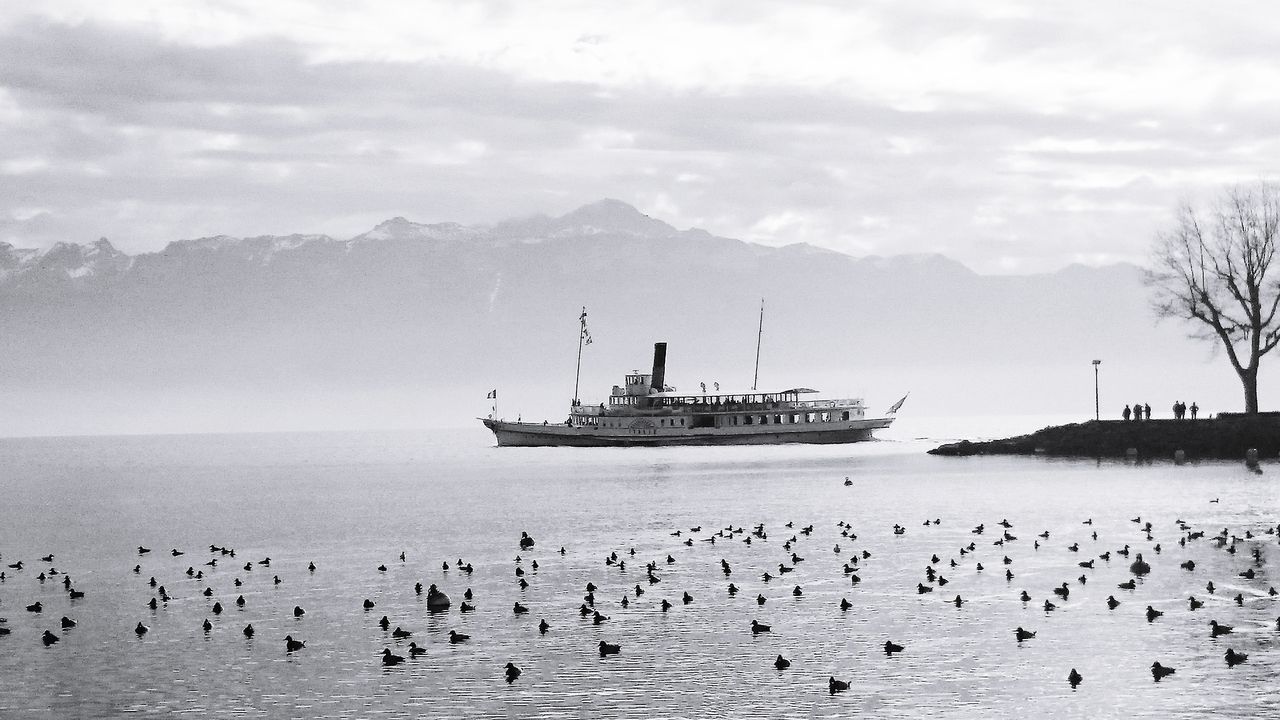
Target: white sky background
{"points": [[1015, 137]]}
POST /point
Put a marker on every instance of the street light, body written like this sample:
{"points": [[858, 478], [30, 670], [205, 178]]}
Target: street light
{"points": [[1097, 409]]}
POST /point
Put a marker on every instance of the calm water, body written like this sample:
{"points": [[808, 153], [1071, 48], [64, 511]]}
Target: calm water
{"points": [[352, 502]]}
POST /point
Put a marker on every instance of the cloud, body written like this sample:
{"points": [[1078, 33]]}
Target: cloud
{"points": [[1000, 138]]}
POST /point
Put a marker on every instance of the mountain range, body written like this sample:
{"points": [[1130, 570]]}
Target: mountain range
{"points": [[410, 325]]}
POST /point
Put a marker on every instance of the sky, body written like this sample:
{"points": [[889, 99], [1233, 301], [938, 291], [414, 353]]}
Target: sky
{"points": [[1014, 137]]}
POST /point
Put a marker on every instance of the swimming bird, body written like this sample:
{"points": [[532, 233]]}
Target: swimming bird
{"points": [[1209, 587], [1024, 597], [368, 604], [248, 630], [1074, 678], [415, 651], [1048, 606], [384, 623], [512, 672], [1127, 585], [400, 633], [49, 638], [35, 607], [1062, 591], [389, 659], [890, 647], [74, 594], [1140, 566], [608, 649], [311, 566], [1152, 614], [921, 589], [597, 618], [1188, 565], [291, 645], [206, 625], [666, 605], [217, 608], [1234, 658], [456, 637], [141, 629], [143, 551], [1023, 634], [781, 663], [958, 601], [835, 686], [519, 609], [1112, 602], [798, 592], [67, 622], [687, 598], [543, 626], [1217, 629], [760, 599], [1159, 671], [845, 604], [1194, 603], [176, 552], [733, 589], [757, 628]]}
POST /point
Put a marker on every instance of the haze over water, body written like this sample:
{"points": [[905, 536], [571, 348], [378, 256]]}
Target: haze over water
{"points": [[350, 502]]}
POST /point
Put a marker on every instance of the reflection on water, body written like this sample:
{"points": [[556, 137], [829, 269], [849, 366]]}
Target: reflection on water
{"points": [[352, 502]]}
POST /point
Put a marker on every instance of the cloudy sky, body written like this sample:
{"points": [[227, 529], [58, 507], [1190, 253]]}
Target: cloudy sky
{"points": [[1013, 136]]}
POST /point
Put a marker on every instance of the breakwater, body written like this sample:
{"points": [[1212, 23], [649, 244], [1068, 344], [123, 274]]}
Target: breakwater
{"points": [[1228, 436]]}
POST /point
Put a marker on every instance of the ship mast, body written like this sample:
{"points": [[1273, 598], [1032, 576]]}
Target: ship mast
{"points": [[759, 334], [582, 334]]}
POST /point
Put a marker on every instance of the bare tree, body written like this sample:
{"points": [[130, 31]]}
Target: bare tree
{"points": [[1214, 267]]}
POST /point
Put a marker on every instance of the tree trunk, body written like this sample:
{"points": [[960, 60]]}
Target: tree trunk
{"points": [[1249, 379]]}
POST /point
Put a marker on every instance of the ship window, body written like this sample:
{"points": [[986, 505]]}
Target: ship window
{"points": [[681, 422], [808, 417], [844, 415], [746, 419], [826, 417], [795, 418], [764, 419], [777, 419]]}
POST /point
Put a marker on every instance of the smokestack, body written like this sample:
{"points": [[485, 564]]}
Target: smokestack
{"points": [[659, 366]]}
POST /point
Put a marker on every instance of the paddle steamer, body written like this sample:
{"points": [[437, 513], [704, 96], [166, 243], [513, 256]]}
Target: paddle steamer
{"points": [[644, 411]]}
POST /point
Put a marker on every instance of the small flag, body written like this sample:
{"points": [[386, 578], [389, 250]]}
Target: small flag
{"points": [[493, 395], [586, 334], [898, 405]]}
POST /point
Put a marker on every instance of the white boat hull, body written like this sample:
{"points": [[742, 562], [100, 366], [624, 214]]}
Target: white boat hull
{"points": [[515, 434]]}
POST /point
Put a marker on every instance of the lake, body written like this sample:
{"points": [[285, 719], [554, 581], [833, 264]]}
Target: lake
{"points": [[352, 502]]}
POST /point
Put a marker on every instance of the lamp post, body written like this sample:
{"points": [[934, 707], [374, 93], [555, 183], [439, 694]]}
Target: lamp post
{"points": [[1097, 409]]}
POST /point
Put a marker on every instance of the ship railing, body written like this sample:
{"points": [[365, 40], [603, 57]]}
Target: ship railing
{"points": [[587, 410], [827, 404]]}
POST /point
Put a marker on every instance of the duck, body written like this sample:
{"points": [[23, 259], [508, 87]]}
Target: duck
{"points": [[143, 550], [74, 594], [845, 604], [1024, 597], [1159, 671], [217, 608], [1153, 613], [437, 601], [1217, 629], [1049, 607], [1234, 658], [389, 659], [456, 637], [781, 663], [1112, 602], [1127, 585], [48, 638], [835, 686], [1074, 678], [1063, 591], [543, 626], [921, 589], [797, 592], [36, 607], [687, 598], [385, 622], [597, 618], [1194, 603], [369, 604], [519, 609], [401, 633], [959, 601], [67, 622], [512, 672], [1139, 566], [757, 628], [1023, 634], [733, 589], [141, 629], [890, 647], [760, 599], [608, 649], [298, 611], [248, 630], [415, 651]]}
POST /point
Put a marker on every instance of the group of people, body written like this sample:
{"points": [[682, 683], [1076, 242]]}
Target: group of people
{"points": [[1142, 411]]}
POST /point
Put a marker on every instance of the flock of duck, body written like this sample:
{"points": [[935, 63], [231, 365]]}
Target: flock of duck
{"points": [[986, 546]]}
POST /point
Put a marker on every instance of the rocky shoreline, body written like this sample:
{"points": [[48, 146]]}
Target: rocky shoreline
{"points": [[1228, 436]]}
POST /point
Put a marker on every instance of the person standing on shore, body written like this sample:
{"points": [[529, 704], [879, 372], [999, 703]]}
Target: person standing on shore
{"points": [[1147, 407], [1126, 413], [1194, 409]]}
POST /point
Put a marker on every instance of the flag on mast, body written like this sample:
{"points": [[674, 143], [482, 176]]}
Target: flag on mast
{"points": [[493, 395], [898, 405], [586, 334]]}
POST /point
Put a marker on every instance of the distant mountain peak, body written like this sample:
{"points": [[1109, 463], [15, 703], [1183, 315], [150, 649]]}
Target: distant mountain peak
{"points": [[614, 216]]}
